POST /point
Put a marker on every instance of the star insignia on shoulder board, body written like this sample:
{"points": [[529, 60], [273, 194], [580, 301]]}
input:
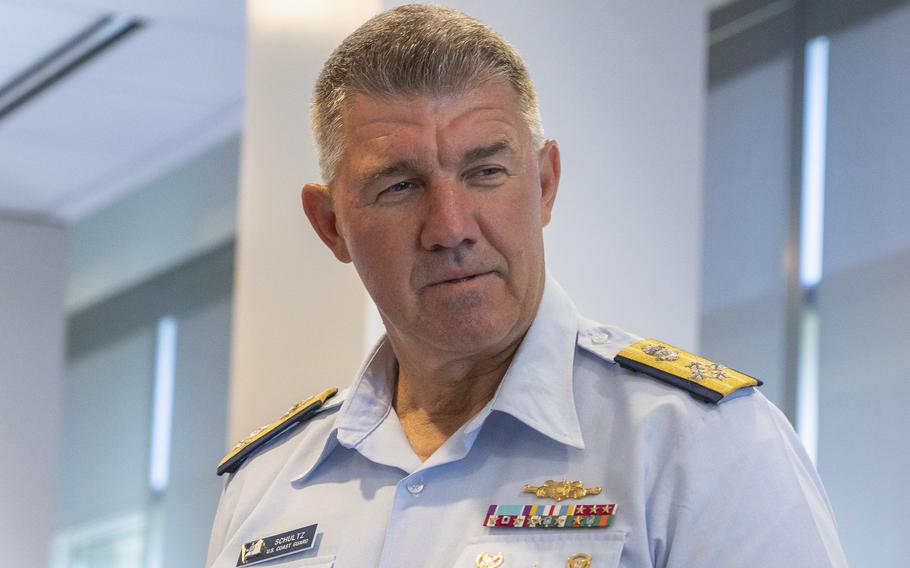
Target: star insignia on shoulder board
{"points": [[660, 352], [699, 371], [718, 371]]}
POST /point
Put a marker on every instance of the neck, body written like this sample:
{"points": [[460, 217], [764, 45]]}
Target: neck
{"points": [[433, 399]]}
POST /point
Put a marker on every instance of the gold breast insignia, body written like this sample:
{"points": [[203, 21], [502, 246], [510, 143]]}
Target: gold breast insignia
{"points": [[579, 560], [560, 490], [488, 560]]}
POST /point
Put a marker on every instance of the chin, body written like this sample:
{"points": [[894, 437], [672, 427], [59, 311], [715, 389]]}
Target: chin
{"points": [[472, 334]]}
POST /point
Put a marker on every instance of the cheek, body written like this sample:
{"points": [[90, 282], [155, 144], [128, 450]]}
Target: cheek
{"points": [[380, 261], [518, 225], [367, 252]]}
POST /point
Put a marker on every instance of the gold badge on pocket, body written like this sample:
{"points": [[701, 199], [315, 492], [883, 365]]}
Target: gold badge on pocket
{"points": [[579, 560], [559, 490], [488, 560]]}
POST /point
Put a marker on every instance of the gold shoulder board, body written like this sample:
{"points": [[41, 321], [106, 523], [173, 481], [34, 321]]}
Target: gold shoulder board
{"points": [[705, 379], [297, 414]]}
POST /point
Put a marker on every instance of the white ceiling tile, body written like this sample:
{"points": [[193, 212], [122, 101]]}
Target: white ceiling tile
{"points": [[156, 97], [28, 33], [229, 15], [184, 65], [67, 180], [33, 174], [130, 174], [82, 113]]}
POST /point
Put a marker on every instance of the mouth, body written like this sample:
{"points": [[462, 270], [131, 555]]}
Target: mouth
{"points": [[460, 279]]}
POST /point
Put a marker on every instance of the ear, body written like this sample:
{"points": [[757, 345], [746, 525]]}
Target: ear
{"points": [[320, 210], [548, 163]]}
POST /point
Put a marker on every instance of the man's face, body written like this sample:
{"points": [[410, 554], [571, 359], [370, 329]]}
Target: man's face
{"points": [[440, 203]]}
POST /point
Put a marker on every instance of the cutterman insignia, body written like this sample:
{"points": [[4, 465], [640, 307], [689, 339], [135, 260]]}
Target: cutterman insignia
{"points": [[297, 414], [559, 490], [705, 379]]}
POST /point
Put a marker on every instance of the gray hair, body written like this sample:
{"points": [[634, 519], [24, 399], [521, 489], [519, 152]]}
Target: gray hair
{"points": [[414, 49]]}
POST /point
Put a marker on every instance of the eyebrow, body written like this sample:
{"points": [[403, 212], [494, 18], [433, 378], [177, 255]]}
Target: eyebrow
{"points": [[485, 152], [413, 167]]}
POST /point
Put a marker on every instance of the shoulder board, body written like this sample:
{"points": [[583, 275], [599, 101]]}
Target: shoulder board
{"points": [[297, 414], [705, 379]]}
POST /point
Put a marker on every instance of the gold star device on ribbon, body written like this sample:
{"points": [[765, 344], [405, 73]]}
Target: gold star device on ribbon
{"points": [[560, 490]]}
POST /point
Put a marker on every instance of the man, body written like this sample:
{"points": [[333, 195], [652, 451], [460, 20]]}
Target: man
{"points": [[492, 425]]}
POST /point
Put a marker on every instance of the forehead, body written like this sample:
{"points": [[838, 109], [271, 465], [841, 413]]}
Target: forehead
{"points": [[378, 125]]}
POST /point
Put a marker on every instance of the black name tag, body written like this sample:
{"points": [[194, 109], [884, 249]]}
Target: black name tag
{"points": [[276, 546]]}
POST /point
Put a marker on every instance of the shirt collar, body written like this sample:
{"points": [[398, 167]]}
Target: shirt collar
{"points": [[363, 406], [537, 389], [371, 396], [304, 460]]}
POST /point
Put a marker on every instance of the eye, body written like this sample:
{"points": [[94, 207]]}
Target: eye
{"points": [[487, 175], [396, 191], [399, 187]]}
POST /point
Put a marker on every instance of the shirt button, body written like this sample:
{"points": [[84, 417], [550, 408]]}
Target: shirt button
{"points": [[600, 338], [415, 486]]}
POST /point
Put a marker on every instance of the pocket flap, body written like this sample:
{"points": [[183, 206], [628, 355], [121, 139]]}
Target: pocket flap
{"points": [[551, 550], [291, 562]]}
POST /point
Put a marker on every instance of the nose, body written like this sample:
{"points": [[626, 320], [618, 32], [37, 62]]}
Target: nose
{"points": [[448, 217]]}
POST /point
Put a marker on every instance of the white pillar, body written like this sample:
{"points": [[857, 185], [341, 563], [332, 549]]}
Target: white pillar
{"points": [[31, 370], [299, 315]]}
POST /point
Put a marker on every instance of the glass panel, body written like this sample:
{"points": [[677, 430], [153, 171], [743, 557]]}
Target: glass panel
{"points": [[106, 429], [117, 543], [864, 296], [108, 420], [745, 222], [200, 406]]}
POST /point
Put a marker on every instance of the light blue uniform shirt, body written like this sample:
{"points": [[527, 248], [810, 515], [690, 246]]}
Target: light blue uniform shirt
{"points": [[695, 484]]}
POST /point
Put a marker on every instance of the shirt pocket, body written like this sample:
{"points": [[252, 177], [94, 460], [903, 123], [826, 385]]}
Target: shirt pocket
{"points": [[545, 550]]}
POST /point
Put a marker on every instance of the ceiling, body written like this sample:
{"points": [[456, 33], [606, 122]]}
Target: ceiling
{"points": [[152, 100]]}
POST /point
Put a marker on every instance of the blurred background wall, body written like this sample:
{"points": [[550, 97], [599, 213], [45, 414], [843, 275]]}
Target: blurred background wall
{"points": [[31, 371], [733, 183]]}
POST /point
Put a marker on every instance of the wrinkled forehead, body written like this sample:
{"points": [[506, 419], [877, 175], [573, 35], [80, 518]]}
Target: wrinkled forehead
{"points": [[441, 95], [452, 122], [453, 86]]}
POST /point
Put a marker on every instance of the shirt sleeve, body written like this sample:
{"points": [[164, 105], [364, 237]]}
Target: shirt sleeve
{"points": [[223, 517], [740, 490]]}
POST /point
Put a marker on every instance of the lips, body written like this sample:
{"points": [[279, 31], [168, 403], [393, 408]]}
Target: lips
{"points": [[457, 278]]}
